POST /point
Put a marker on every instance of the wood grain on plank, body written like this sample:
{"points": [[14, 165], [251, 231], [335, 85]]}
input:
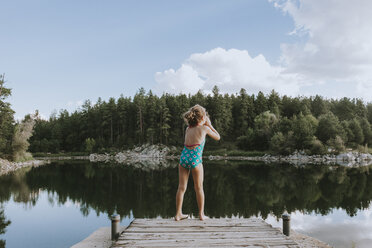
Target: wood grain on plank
{"points": [[252, 232]]}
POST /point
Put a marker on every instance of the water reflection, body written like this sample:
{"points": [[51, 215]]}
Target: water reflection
{"points": [[337, 228], [232, 188], [3, 224]]}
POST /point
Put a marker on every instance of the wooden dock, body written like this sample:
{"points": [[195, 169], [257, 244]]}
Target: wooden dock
{"points": [[252, 232]]}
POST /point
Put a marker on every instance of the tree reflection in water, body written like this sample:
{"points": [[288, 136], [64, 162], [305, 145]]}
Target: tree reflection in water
{"points": [[3, 224], [231, 188]]}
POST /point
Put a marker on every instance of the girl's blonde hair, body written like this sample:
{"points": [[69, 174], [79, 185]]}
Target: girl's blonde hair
{"points": [[194, 115]]}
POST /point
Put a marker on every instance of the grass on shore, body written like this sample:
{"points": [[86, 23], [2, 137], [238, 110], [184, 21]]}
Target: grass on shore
{"points": [[218, 152], [224, 151], [60, 154]]}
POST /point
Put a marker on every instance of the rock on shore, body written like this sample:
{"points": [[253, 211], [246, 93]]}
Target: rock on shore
{"points": [[155, 156], [300, 158], [7, 166], [145, 156]]}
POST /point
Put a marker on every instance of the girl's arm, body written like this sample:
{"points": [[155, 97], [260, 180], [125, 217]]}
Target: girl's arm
{"points": [[210, 130]]}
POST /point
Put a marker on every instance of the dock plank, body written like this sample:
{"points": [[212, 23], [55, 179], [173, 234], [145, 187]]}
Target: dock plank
{"points": [[251, 232]]}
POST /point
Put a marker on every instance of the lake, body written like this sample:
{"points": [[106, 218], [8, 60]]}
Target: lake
{"points": [[59, 204]]}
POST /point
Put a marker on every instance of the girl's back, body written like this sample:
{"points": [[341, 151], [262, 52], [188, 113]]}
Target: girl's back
{"points": [[195, 135]]}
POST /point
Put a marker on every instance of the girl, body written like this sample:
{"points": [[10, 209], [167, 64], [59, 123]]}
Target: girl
{"points": [[199, 125]]}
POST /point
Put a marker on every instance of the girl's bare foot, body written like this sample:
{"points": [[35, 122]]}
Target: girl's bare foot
{"points": [[203, 217], [181, 217]]}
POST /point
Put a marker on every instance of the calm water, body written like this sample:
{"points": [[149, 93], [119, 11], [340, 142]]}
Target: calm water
{"points": [[60, 204]]}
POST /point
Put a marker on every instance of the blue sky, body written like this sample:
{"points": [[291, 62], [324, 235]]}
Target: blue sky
{"points": [[56, 54]]}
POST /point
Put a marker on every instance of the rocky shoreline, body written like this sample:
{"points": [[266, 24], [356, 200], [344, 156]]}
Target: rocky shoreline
{"points": [[299, 158], [7, 166], [157, 156], [145, 157], [151, 155]]}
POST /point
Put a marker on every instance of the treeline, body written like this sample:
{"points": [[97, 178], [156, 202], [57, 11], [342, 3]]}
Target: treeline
{"points": [[245, 121]]}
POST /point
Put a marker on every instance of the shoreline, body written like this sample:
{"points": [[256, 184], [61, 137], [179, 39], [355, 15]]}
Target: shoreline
{"points": [[8, 166], [155, 154], [345, 159]]}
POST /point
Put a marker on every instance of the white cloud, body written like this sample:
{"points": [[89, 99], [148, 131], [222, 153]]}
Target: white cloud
{"points": [[332, 56], [338, 44], [75, 103], [230, 70], [185, 80]]}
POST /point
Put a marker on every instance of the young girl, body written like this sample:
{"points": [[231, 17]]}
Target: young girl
{"points": [[199, 125]]}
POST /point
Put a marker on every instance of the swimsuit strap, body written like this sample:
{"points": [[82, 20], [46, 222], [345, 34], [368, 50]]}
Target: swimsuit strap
{"points": [[195, 144], [192, 145]]}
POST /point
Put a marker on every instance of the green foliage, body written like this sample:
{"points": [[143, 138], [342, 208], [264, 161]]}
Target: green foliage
{"points": [[23, 131], [369, 112], [260, 103], [336, 143], [3, 224], [277, 142], [164, 121], [283, 144], [319, 106], [355, 135], [242, 112], [89, 144], [285, 125], [290, 106], [344, 109], [329, 127], [362, 149], [304, 128], [316, 147], [246, 142], [367, 131], [6, 121], [265, 124], [245, 120]]}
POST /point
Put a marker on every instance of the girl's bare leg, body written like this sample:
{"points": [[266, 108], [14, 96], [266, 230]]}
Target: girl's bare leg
{"points": [[183, 176], [198, 177]]}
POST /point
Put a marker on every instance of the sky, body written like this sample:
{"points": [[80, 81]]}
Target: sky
{"points": [[57, 54]]}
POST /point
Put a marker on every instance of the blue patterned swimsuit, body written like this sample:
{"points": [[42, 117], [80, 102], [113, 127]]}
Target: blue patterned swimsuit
{"points": [[190, 158]]}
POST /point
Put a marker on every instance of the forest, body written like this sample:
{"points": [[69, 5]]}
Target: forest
{"points": [[271, 122]]}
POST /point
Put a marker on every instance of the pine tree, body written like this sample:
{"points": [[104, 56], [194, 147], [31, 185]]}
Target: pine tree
{"points": [[164, 121], [139, 102], [6, 121]]}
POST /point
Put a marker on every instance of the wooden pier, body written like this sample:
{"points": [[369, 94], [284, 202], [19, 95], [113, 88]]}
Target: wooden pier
{"points": [[252, 232]]}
